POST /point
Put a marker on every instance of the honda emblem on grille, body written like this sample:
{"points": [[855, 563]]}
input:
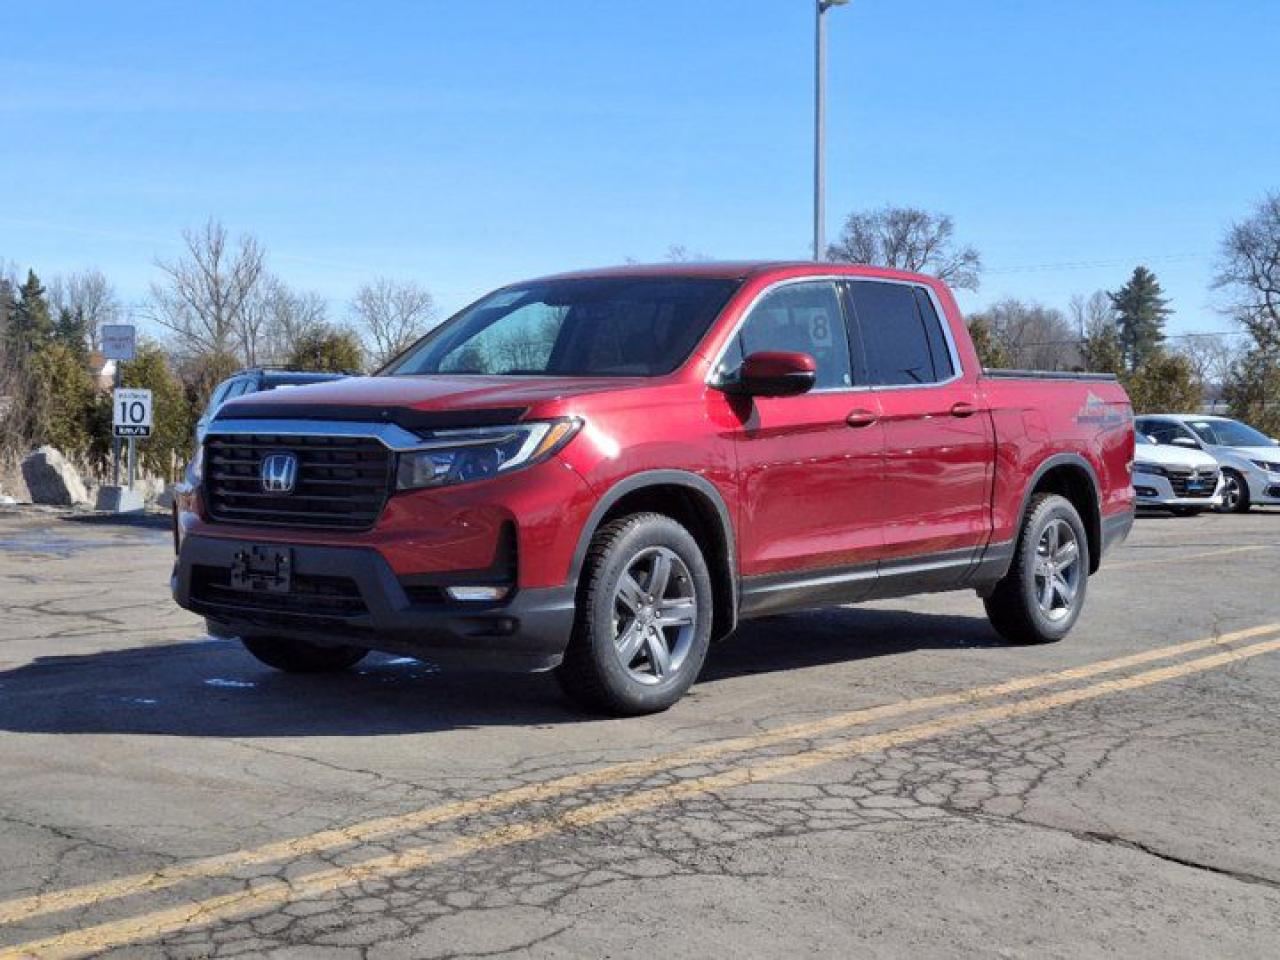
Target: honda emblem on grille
{"points": [[279, 472]]}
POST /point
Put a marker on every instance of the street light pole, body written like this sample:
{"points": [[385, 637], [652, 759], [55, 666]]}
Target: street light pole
{"points": [[820, 123]]}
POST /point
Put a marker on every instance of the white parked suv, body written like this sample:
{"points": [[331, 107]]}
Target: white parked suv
{"points": [[1183, 481], [1250, 460]]}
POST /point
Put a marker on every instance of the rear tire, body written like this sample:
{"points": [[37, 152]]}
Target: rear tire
{"points": [[1235, 494], [298, 656], [1040, 598], [643, 624]]}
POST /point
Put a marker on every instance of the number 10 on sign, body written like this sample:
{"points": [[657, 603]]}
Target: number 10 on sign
{"points": [[131, 413]]}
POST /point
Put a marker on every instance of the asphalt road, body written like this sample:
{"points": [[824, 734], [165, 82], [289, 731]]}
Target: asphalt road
{"points": [[880, 781]]}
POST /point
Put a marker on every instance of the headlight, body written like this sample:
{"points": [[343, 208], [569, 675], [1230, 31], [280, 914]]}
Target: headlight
{"points": [[1269, 465], [1149, 468], [447, 457], [195, 469]]}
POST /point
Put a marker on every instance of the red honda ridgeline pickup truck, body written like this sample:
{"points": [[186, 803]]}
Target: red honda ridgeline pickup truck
{"points": [[602, 472]]}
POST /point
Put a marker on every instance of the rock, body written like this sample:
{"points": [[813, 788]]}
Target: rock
{"points": [[52, 479]]}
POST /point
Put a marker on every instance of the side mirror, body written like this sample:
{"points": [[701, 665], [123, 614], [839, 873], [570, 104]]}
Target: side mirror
{"points": [[1185, 442], [775, 373]]}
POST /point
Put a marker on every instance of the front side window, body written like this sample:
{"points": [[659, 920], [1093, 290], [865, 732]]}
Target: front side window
{"points": [[901, 348], [799, 318], [1230, 433], [606, 327]]}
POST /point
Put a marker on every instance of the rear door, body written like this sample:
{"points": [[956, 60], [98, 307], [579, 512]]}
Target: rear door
{"points": [[938, 434], [809, 465]]}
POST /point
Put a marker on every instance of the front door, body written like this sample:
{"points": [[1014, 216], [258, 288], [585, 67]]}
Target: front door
{"points": [[809, 466]]}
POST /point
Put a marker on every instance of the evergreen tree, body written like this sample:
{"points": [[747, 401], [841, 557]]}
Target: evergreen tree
{"points": [[173, 429], [991, 352], [6, 304], [1165, 382], [1141, 309], [1102, 351], [30, 327], [59, 399], [73, 330], [327, 349]]}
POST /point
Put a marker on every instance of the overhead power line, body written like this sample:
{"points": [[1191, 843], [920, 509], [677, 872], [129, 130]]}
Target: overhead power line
{"points": [[1093, 264]]}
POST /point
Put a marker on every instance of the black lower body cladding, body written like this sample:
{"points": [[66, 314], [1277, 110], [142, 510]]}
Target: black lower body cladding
{"points": [[351, 596]]}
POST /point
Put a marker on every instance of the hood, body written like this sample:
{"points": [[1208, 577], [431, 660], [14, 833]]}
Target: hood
{"points": [[1171, 456], [1271, 454], [422, 400]]}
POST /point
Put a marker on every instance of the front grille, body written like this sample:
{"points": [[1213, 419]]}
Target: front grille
{"points": [[311, 596], [342, 482], [1178, 479]]}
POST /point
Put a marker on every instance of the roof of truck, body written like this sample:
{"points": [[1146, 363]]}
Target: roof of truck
{"points": [[733, 270]]}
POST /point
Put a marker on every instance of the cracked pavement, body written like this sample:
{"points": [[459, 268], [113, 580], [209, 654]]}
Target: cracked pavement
{"points": [[1144, 821]]}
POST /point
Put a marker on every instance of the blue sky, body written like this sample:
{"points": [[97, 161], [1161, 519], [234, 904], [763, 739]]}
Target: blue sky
{"points": [[466, 144]]}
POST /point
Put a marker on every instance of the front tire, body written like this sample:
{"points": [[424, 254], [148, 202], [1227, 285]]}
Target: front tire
{"points": [[1040, 598], [644, 618], [298, 656], [1235, 493]]}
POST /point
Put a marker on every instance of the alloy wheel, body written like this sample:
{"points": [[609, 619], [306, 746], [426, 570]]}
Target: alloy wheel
{"points": [[1057, 570], [1231, 493], [655, 615]]}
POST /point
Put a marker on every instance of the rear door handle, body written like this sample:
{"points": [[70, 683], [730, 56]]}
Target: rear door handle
{"points": [[963, 409], [861, 418]]}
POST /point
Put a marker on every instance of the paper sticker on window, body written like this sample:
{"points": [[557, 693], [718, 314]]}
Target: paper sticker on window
{"points": [[819, 328]]}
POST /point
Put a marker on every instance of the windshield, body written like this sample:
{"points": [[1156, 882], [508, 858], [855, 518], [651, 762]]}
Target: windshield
{"points": [[1229, 433], [616, 327], [1142, 440]]}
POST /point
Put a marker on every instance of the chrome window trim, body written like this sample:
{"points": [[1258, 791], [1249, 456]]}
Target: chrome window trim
{"points": [[713, 381]]}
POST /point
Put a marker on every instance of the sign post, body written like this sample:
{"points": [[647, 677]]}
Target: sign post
{"points": [[130, 419], [119, 343]]}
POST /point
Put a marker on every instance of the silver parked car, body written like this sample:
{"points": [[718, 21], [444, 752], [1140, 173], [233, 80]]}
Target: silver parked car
{"points": [[1250, 460]]}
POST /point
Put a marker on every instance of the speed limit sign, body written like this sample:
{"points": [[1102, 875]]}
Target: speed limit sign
{"points": [[131, 413]]}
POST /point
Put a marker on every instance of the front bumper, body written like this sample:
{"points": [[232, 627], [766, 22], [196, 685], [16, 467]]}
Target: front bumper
{"points": [[1264, 488], [350, 595], [1154, 490]]}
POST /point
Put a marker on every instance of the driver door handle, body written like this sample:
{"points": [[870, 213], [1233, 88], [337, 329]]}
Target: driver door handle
{"points": [[861, 418], [963, 409]]}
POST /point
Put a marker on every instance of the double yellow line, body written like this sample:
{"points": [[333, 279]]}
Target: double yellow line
{"points": [[264, 894]]}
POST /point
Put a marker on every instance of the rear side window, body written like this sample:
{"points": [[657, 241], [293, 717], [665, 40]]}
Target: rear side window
{"points": [[943, 368], [901, 334], [802, 317]]}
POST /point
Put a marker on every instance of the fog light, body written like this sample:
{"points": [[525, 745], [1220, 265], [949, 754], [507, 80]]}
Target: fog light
{"points": [[477, 593]]}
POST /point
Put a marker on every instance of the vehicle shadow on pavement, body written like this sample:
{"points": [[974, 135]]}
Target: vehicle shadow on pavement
{"points": [[213, 688]]}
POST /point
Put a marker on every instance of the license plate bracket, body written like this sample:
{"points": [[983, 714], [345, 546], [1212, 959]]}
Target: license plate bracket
{"points": [[262, 569]]}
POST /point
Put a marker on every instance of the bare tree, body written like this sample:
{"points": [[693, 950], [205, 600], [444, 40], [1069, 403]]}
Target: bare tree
{"points": [[1093, 314], [205, 296], [392, 314], [1212, 357], [89, 295], [1249, 272], [1032, 335], [679, 253], [909, 239], [275, 318]]}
